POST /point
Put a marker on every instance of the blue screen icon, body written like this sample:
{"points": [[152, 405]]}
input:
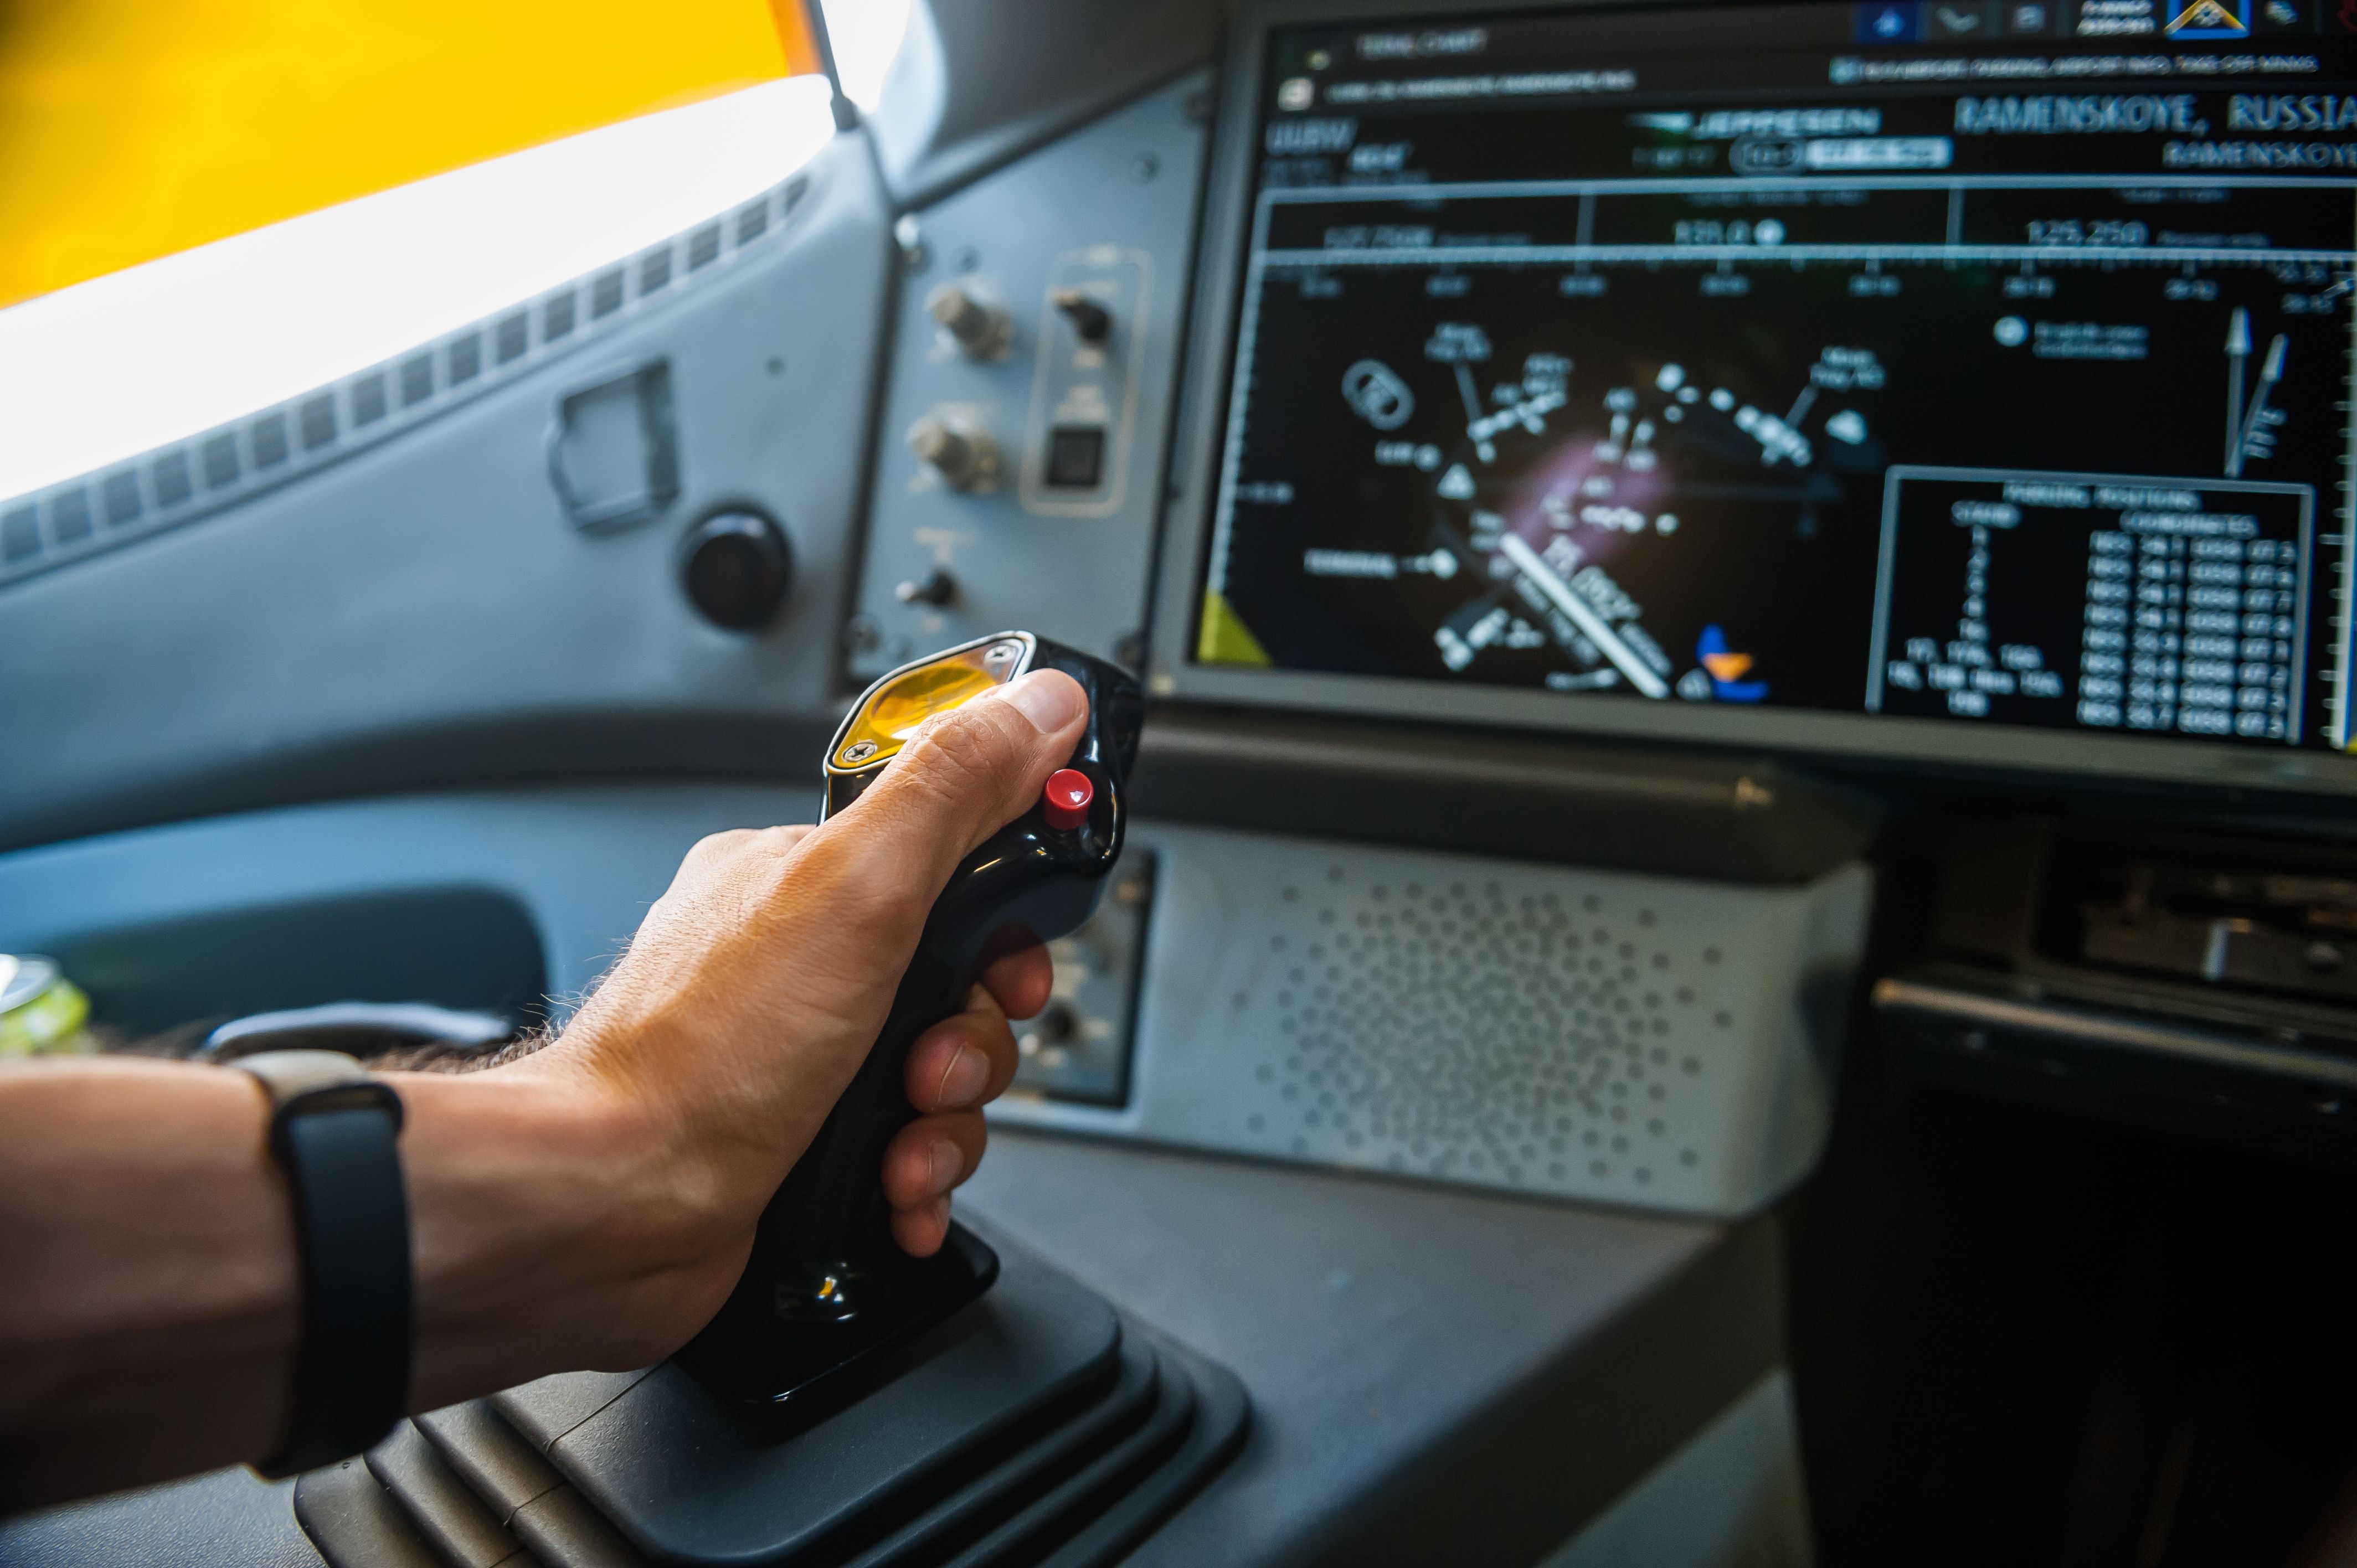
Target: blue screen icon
{"points": [[1885, 24]]}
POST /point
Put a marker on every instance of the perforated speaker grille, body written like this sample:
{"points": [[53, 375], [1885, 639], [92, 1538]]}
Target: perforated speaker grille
{"points": [[1453, 1027], [1643, 1040]]}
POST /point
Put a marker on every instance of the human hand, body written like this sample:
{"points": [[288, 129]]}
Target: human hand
{"points": [[709, 1056], [588, 1205]]}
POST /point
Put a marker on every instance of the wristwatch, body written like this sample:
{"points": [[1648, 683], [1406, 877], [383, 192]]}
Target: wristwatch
{"points": [[334, 1130]]}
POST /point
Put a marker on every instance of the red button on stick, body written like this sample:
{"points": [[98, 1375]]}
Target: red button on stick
{"points": [[1066, 800]]}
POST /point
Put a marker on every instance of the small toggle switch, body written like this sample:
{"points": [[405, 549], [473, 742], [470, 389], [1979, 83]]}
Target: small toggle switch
{"points": [[935, 587], [1091, 321], [1065, 803], [978, 327]]}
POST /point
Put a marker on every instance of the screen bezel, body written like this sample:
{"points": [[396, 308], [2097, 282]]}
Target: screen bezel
{"points": [[1174, 675]]}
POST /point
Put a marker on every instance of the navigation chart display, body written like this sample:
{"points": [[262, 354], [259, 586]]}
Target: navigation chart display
{"points": [[1979, 364]]}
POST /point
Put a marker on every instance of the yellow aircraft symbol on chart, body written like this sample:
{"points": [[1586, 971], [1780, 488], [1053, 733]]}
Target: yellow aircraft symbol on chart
{"points": [[1726, 666]]}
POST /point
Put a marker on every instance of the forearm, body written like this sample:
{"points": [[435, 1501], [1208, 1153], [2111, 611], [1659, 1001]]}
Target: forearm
{"points": [[148, 1315], [587, 1207]]}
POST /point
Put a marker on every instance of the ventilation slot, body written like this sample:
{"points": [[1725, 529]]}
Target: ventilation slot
{"points": [[220, 461], [120, 495], [170, 473], [20, 534], [69, 516], [416, 380], [303, 435], [606, 294], [368, 399], [270, 440], [318, 421]]}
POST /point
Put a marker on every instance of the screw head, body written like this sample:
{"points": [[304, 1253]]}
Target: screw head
{"points": [[857, 752], [1001, 653]]}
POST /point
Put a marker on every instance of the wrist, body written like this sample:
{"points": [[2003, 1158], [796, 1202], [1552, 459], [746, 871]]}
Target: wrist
{"points": [[543, 1204]]}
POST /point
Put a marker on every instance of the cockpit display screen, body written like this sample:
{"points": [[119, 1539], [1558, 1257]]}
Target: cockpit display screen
{"points": [[1980, 362]]}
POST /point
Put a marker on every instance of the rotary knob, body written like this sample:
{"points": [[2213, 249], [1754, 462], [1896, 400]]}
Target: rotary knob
{"points": [[737, 568], [979, 327], [965, 458]]}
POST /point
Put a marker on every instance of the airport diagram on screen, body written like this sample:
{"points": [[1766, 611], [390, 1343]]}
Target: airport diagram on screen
{"points": [[2025, 404]]}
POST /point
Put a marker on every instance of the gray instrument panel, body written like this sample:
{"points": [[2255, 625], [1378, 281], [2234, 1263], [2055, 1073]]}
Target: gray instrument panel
{"points": [[1058, 441], [426, 607]]}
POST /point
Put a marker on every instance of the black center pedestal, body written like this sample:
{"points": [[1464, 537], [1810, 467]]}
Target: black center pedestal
{"points": [[1037, 1424]]}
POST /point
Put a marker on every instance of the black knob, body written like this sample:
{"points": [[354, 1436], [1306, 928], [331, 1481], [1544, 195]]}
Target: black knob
{"points": [[736, 567], [935, 587], [1091, 320]]}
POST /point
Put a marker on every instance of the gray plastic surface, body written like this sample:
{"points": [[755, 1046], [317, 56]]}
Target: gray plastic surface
{"points": [[979, 82], [1110, 208], [1732, 1497], [439, 1505], [351, 1520], [584, 861], [1659, 1043], [1721, 818], [226, 1517], [1435, 1375], [425, 609]]}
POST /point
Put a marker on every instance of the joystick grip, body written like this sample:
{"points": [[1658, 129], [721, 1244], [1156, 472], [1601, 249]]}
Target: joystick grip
{"points": [[828, 1286]]}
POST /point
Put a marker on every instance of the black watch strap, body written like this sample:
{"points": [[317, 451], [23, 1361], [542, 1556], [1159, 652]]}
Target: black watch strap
{"points": [[334, 1130]]}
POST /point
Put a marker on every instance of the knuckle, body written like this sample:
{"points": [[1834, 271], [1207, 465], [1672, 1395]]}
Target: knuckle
{"points": [[777, 840], [715, 847], [964, 749]]}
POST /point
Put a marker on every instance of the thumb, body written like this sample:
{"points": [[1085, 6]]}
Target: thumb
{"points": [[966, 773]]}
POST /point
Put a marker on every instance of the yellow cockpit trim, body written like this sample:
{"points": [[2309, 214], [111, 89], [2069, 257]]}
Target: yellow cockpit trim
{"points": [[133, 129]]}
